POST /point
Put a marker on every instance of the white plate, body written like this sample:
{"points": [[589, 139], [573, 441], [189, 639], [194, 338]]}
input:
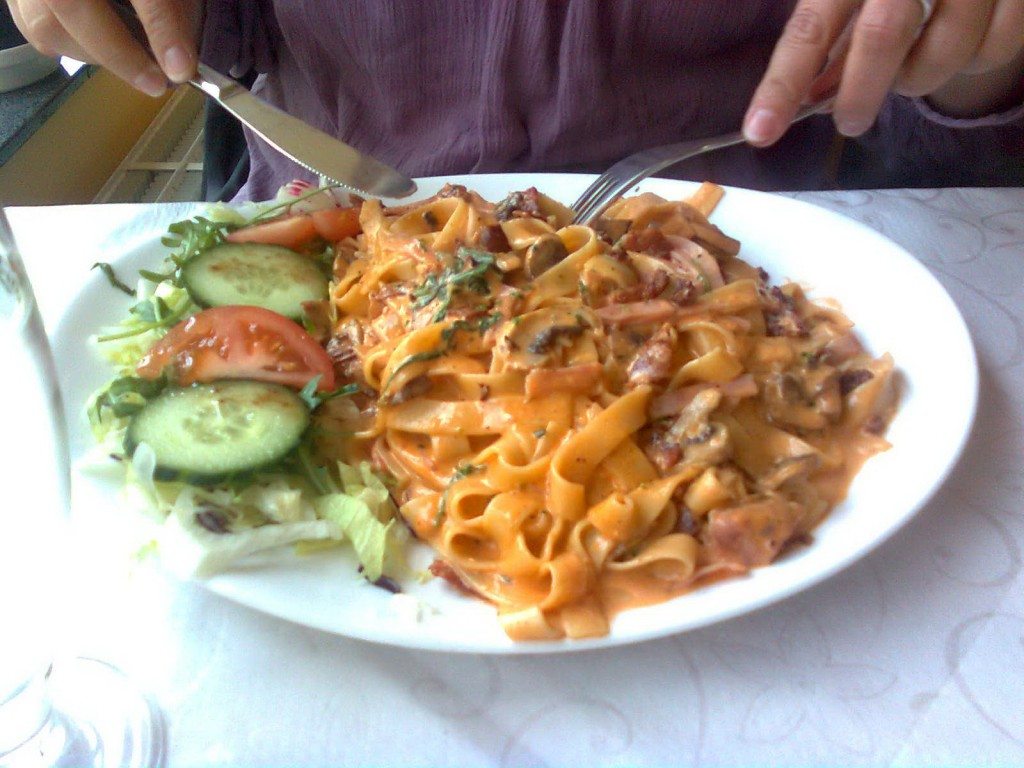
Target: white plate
{"points": [[23, 65], [897, 305]]}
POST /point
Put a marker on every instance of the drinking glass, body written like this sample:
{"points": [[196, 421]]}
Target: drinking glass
{"points": [[54, 710]]}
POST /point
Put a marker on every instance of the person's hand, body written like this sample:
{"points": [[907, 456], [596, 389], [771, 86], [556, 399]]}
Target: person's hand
{"points": [[92, 30], [970, 54]]}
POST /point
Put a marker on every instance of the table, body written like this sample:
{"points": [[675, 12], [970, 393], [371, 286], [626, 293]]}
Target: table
{"points": [[914, 655]]}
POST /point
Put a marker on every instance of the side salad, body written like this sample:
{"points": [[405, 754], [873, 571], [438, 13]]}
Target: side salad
{"points": [[218, 382]]}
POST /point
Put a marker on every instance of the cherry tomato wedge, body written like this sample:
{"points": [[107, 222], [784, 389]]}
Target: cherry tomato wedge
{"points": [[239, 342], [334, 224], [291, 232]]}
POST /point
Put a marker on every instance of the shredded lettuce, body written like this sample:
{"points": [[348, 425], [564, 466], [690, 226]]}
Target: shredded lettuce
{"points": [[189, 549], [366, 514]]}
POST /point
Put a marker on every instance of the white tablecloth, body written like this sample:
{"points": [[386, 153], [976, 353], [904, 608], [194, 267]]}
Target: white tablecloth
{"points": [[914, 655]]}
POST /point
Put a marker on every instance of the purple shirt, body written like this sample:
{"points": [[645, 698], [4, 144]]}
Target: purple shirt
{"points": [[437, 87]]}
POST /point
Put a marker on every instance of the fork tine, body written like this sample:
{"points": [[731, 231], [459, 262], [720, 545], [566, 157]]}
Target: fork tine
{"points": [[613, 187], [594, 196], [592, 192]]}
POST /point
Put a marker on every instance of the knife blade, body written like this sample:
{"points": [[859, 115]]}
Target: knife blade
{"points": [[311, 148]]}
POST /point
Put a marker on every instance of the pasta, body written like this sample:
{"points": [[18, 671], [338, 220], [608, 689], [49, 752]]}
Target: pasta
{"points": [[582, 420]]}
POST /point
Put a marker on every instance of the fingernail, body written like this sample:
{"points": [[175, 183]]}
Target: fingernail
{"points": [[151, 82], [761, 127], [178, 64], [851, 127]]}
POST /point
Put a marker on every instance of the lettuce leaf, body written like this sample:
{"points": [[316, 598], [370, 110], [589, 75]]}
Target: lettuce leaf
{"points": [[367, 516]]}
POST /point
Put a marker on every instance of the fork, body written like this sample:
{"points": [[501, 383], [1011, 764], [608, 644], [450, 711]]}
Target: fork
{"points": [[632, 170]]}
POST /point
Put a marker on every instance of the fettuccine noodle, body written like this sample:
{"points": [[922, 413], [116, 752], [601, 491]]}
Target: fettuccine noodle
{"points": [[585, 420]]}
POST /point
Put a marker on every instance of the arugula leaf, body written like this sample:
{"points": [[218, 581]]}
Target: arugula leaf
{"points": [[108, 270], [315, 399], [447, 339], [127, 395], [154, 313], [191, 237], [419, 357]]}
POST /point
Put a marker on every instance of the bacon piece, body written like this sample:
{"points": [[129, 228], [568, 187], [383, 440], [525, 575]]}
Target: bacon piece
{"points": [[638, 313], [674, 401], [579, 379], [850, 380], [663, 452], [695, 261], [341, 348], [740, 387], [493, 239], [448, 190], [520, 204], [653, 361], [780, 315], [753, 534], [841, 349], [649, 287], [647, 240]]}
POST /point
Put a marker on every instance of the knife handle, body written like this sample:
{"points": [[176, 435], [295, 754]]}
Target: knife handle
{"points": [[207, 79]]}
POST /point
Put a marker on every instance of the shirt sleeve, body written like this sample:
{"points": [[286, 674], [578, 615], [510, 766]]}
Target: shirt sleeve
{"points": [[240, 36], [912, 145]]}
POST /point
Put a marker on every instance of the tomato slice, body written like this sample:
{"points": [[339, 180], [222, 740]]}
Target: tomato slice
{"points": [[291, 232], [334, 224], [239, 342]]}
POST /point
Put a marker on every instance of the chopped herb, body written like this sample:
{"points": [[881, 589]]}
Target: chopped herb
{"points": [[810, 359], [539, 433], [112, 277], [481, 325], [468, 272], [465, 470], [461, 472]]}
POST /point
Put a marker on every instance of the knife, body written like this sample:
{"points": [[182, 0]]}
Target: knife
{"points": [[311, 148]]}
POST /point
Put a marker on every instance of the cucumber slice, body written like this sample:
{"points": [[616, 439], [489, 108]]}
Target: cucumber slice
{"points": [[207, 432], [254, 274]]}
